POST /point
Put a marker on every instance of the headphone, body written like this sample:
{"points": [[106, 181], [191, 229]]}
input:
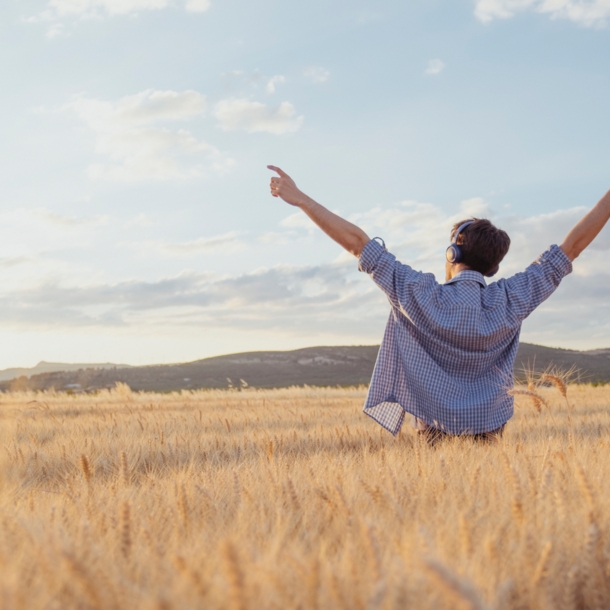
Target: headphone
{"points": [[455, 254]]}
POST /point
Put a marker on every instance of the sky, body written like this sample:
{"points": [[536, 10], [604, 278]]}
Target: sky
{"points": [[136, 224]]}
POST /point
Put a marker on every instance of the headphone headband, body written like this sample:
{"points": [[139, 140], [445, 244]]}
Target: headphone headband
{"points": [[460, 229]]}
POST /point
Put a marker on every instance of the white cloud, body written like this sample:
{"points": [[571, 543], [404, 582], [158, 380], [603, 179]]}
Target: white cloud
{"points": [[70, 221], [140, 109], [316, 74], [58, 11], [133, 135], [225, 243], [109, 7], [588, 13], [228, 241], [47, 242], [298, 220], [56, 30], [97, 8], [273, 81], [197, 6], [435, 66], [242, 114], [278, 238]]}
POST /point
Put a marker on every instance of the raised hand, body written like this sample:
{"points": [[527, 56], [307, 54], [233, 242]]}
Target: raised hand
{"points": [[348, 235], [285, 188]]}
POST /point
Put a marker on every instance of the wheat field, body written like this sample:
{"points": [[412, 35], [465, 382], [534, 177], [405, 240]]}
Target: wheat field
{"points": [[256, 499]]}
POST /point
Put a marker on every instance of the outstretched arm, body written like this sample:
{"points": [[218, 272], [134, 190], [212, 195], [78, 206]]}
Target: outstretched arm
{"points": [[587, 229], [346, 234]]}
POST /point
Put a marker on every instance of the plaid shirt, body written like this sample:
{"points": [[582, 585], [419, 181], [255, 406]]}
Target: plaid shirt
{"points": [[448, 351]]}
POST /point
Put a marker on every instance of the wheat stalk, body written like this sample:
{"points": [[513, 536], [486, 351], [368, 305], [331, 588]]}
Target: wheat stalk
{"points": [[234, 576], [587, 492], [81, 575], [458, 590], [540, 572], [125, 531], [183, 508], [517, 498]]}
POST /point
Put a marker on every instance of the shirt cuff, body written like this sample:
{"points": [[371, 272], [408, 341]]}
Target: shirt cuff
{"points": [[558, 259], [369, 256]]}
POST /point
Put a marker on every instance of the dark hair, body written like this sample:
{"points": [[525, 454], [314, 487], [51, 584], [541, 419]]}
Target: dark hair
{"points": [[483, 245]]}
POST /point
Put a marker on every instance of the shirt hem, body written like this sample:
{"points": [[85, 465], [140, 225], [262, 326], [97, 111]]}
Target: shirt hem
{"points": [[437, 425]]}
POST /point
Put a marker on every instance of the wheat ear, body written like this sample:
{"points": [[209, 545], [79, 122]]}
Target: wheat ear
{"points": [[536, 399], [86, 468], [124, 468]]}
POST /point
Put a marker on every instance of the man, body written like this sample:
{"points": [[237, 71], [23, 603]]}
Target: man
{"points": [[448, 351]]}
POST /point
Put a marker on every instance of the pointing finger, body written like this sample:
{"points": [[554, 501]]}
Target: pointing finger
{"points": [[281, 172]]}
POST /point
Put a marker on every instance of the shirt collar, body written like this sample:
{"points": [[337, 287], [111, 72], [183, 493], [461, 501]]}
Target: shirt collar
{"points": [[468, 275]]}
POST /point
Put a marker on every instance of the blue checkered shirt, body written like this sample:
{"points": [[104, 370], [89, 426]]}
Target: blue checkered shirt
{"points": [[448, 351]]}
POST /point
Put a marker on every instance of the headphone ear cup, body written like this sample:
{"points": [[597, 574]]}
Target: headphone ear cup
{"points": [[454, 253]]}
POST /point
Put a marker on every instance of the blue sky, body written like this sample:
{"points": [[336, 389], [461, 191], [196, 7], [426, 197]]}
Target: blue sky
{"points": [[135, 219]]}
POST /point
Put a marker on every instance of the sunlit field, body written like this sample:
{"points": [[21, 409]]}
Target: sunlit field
{"points": [[295, 499]]}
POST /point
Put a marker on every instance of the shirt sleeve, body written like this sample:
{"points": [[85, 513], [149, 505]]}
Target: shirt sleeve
{"points": [[393, 277], [526, 290]]}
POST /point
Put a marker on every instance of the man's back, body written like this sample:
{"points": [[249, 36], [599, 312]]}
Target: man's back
{"points": [[448, 352]]}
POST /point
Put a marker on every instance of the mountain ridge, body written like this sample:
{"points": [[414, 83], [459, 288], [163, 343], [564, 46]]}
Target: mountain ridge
{"points": [[316, 366], [53, 367]]}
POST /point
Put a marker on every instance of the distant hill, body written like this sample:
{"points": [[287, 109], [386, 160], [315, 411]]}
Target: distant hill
{"points": [[592, 366], [52, 367], [319, 366]]}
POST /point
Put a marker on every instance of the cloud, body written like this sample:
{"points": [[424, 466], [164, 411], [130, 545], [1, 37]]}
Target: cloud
{"points": [[70, 221], [55, 31], [132, 134], [435, 66], [6, 262], [298, 220], [269, 298], [197, 6], [242, 114], [30, 232], [226, 242], [587, 13], [90, 8], [316, 74], [141, 220], [273, 81], [59, 11], [140, 109]]}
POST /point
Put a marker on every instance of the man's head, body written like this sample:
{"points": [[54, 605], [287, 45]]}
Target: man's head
{"points": [[483, 246]]}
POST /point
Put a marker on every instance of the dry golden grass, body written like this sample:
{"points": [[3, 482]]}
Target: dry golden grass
{"points": [[295, 499]]}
